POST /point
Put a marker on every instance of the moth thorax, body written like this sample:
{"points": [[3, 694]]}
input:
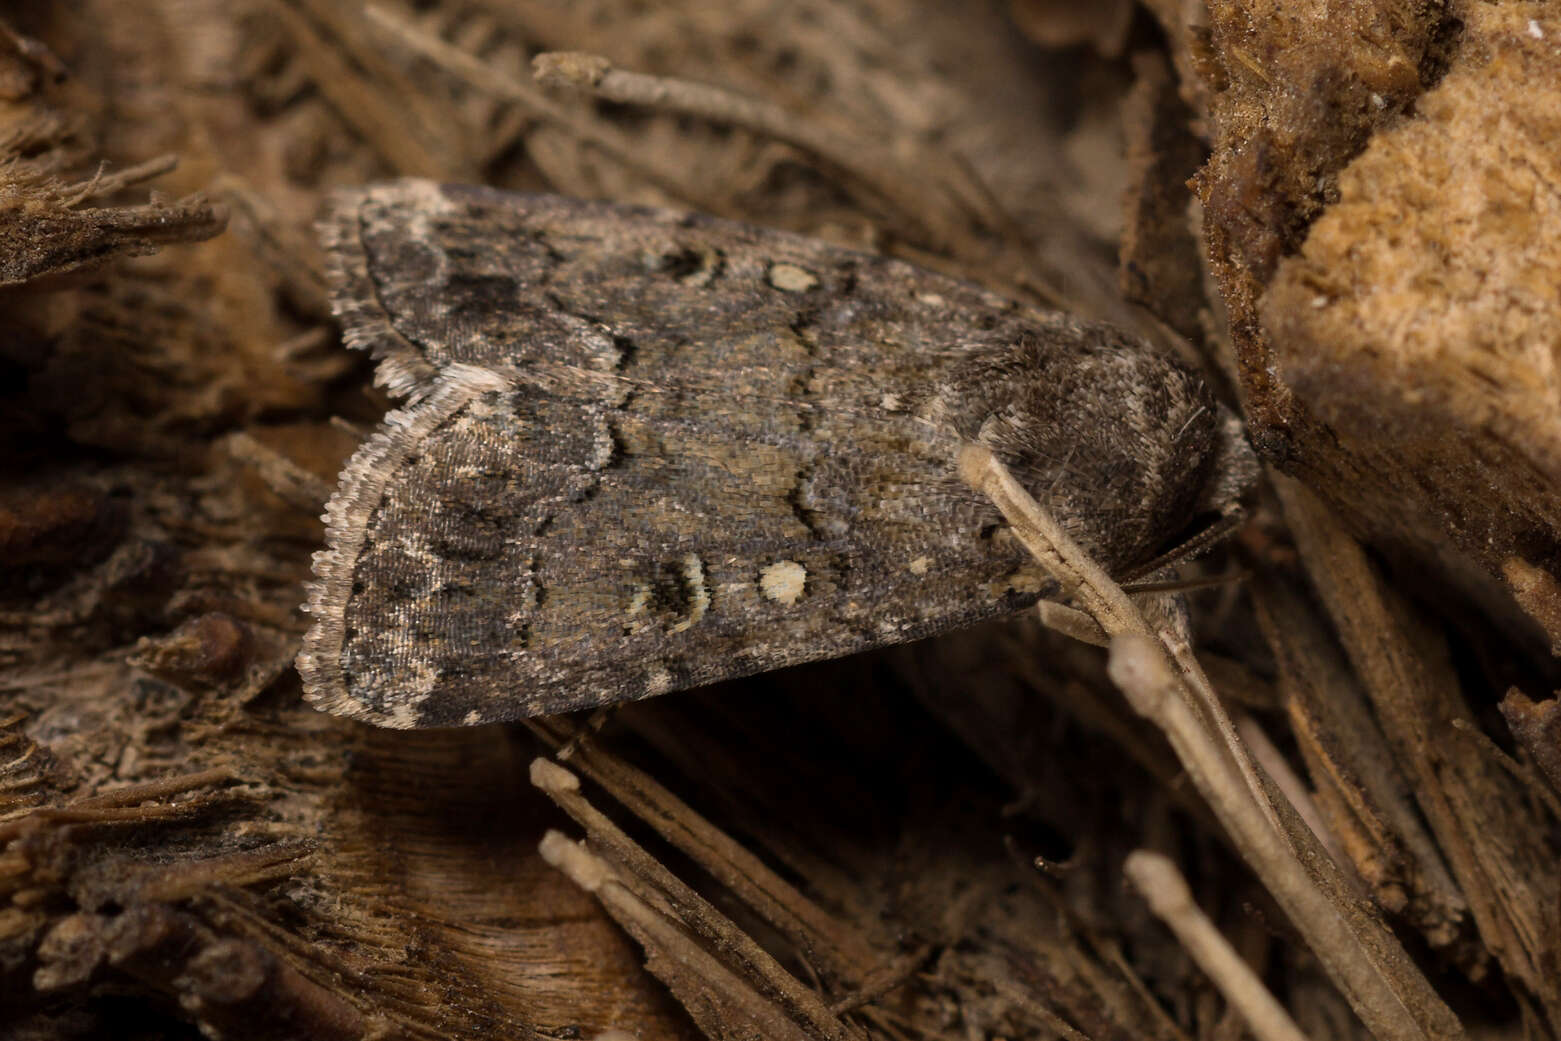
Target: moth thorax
{"points": [[1117, 444]]}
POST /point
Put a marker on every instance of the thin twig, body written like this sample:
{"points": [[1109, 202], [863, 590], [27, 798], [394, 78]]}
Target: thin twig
{"points": [[1072, 622], [1342, 943], [483, 77], [1364, 960], [679, 956], [863, 161], [883, 980], [1519, 770], [292, 483], [1278, 768], [1103, 598], [563, 787], [104, 183], [1051, 546], [1166, 892], [822, 938]]}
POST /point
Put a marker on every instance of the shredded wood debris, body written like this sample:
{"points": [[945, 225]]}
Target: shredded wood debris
{"points": [[1329, 756]]}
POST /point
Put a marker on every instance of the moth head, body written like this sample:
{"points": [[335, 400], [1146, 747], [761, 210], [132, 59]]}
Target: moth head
{"points": [[1128, 449]]}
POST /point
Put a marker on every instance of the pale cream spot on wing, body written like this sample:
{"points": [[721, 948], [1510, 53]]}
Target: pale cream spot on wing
{"points": [[783, 581], [604, 447], [403, 715], [920, 565], [658, 680], [789, 278], [1028, 580]]}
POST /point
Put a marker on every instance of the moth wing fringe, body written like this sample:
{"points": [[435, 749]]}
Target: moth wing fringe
{"points": [[364, 480], [366, 324]]}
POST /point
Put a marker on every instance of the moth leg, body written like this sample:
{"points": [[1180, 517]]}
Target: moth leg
{"points": [[586, 730], [1231, 517], [1071, 622]]}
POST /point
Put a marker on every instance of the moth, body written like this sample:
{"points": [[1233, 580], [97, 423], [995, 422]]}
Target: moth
{"points": [[639, 450]]}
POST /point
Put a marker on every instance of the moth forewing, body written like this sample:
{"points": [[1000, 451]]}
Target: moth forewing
{"points": [[645, 450]]}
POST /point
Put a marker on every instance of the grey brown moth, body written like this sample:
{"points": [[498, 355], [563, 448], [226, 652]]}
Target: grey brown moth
{"points": [[641, 450]]}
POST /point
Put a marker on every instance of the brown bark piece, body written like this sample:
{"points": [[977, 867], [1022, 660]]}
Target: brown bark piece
{"points": [[1504, 865], [1366, 799], [1158, 259], [1398, 360], [1537, 726], [1420, 319], [1286, 108], [44, 227]]}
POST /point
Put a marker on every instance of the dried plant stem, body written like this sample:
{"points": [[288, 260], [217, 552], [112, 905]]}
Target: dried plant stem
{"points": [[401, 124], [1407, 672], [693, 910], [129, 805], [1166, 892], [1101, 597], [1521, 771], [1289, 783], [1072, 622], [884, 979], [874, 167], [838, 951], [161, 788], [483, 77], [1139, 668], [1347, 755], [1021, 999], [1195, 680], [1361, 956], [1052, 547], [680, 962]]}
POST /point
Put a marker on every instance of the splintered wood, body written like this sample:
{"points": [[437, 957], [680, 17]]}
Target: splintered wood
{"points": [[1309, 785]]}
